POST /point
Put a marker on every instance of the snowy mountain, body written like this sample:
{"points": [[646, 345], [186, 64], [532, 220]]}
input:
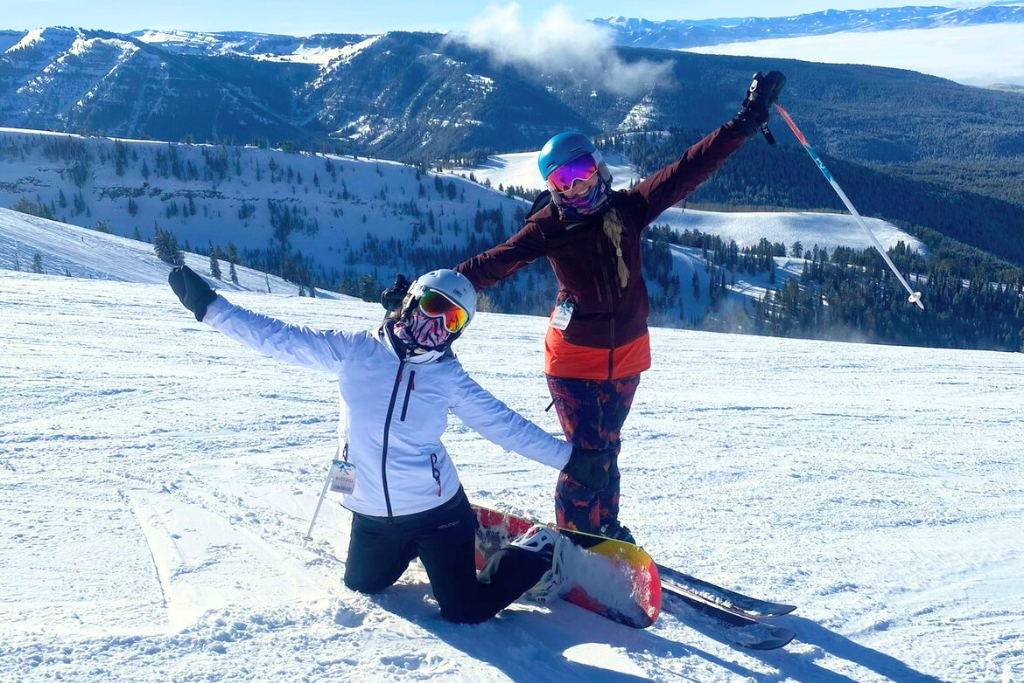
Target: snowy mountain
{"points": [[159, 480], [72, 79], [316, 49], [415, 96], [982, 56], [674, 34], [976, 46]]}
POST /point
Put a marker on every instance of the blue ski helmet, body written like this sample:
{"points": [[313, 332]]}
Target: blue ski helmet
{"points": [[562, 149], [559, 151]]}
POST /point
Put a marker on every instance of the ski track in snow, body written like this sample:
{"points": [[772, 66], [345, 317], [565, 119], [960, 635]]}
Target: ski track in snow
{"points": [[159, 480]]}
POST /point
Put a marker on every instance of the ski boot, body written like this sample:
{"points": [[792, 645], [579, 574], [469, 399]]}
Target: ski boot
{"points": [[617, 531], [549, 544]]}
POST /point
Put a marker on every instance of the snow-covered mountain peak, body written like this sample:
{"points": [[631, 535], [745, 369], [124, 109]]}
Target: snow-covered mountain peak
{"points": [[320, 48], [55, 38]]}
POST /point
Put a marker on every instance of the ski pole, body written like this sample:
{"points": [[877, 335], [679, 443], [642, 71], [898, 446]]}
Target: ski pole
{"points": [[915, 297], [330, 476]]}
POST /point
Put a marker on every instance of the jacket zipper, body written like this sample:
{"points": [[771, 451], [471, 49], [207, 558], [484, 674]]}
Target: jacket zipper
{"points": [[610, 308], [611, 351], [408, 391], [604, 277], [387, 429]]}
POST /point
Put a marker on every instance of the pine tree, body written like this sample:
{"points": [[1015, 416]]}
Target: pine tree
{"points": [[37, 263], [214, 263], [232, 259], [165, 246]]}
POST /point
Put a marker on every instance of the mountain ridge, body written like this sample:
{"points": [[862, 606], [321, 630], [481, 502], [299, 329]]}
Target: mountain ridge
{"points": [[674, 34]]}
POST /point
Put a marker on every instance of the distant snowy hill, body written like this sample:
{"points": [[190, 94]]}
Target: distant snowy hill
{"points": [[674, 34], [974, 55], [974, 45], [343, 215]]}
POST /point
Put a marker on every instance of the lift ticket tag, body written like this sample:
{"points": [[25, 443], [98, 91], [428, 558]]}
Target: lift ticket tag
{"points": [[563, 314], [343, 477]]}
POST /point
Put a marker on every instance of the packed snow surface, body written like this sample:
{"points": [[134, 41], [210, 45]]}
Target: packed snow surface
{"points": [[973, 55], [158, 481]]}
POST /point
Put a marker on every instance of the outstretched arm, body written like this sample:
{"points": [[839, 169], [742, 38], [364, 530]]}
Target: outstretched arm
{"points": [[498, 423], [293, 344], [499, 262], [479, 409], [288, 343], [675, 182]]}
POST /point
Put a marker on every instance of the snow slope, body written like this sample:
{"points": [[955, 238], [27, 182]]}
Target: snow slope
{"points": [[158, 481], [972, 55], [81, 253], [333, 214]]}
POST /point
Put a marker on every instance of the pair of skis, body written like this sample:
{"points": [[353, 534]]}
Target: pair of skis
{"points": [[735, 617]]}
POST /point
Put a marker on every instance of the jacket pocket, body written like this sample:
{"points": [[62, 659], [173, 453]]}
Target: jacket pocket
{"points": [[409, 388]]}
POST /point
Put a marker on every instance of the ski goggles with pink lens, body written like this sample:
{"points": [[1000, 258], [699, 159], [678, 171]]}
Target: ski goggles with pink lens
{"points": [[437, 305], [581, 168]]}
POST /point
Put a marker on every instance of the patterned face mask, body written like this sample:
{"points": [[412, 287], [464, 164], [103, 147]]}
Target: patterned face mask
{"points": [[422, 331]]}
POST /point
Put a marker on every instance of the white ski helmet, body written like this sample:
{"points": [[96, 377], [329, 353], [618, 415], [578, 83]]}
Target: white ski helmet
{"points": [[453, 285]]}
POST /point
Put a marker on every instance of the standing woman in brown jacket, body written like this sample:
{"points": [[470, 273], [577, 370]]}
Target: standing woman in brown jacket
{"points": [[597, 343]]}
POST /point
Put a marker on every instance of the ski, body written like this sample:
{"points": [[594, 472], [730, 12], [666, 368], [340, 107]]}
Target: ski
{"points": [[737, 629], [722, 597]]}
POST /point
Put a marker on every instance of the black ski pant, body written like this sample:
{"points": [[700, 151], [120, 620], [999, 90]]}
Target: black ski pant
{"points": [[444, 539]]}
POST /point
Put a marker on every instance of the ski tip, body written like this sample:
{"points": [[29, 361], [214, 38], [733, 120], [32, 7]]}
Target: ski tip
{"points": [[779, 610], [781, 637]]}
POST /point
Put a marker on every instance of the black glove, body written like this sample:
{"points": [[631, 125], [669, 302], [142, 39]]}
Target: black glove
{"points": [[192, 290], [590, 466], [392, 297], [761, 95]]}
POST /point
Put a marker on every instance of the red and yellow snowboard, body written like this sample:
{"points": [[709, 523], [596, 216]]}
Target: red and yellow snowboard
{"points": [[615, 579]]}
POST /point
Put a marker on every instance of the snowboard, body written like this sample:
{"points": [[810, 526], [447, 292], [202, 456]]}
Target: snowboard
{"points": [[615, 579]]}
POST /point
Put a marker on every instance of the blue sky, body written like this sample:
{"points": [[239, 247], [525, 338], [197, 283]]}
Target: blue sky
{"points": [[302, 17]]}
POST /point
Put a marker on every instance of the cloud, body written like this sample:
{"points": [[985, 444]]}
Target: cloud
{"points": [[558, 42]]}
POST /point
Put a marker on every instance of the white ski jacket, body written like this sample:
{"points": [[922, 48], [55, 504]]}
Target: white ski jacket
{"points": [[393, 412]]}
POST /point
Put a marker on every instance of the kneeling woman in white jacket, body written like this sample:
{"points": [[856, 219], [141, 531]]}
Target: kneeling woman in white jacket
{"points": [[399, 381]]}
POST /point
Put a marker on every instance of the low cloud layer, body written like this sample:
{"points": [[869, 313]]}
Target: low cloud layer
{"points": [[557, 42]]}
